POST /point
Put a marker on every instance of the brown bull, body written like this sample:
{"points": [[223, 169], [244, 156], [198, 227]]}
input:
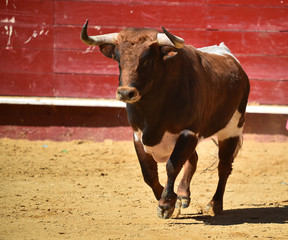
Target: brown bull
{"points": [[175, 96]]}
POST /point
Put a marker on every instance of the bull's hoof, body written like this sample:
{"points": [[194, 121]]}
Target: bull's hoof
{"points": [[164, 212], [166, 206], [183, 202], [214, 208]]}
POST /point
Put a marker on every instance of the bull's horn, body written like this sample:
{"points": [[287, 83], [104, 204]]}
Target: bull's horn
{"points": [[169, 39], [97, 40]]}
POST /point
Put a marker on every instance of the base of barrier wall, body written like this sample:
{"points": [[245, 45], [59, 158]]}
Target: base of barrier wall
{"points": [[65, 123]]}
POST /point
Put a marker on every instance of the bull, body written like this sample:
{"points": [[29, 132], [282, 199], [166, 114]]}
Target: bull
{"points": [[177, 95]]}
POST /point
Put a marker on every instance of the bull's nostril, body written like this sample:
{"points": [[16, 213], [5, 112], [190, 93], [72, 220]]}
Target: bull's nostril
{"points": [[131, 94], [127, 94]]}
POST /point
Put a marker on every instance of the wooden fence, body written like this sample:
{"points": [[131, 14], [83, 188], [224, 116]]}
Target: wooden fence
{"points": [[41, 53]]}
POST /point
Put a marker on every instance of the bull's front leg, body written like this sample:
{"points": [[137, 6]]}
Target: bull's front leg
{"points": [[149, 169], [184, 148]]}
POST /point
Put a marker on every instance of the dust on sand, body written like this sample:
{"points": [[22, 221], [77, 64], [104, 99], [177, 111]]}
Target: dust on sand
{"points": [[90, 190]]}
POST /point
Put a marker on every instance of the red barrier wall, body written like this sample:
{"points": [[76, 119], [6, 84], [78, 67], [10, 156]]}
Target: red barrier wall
{"points": [[41, 53]]}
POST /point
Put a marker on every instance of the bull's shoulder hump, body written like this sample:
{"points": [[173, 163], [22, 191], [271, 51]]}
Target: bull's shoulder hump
{"points": [[216, 49], [220, 49]]}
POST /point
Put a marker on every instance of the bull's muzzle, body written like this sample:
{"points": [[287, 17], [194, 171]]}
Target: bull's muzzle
{"points": [[128, 94]]}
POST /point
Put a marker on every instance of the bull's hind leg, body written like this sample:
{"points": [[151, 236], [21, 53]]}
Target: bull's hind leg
{"points": [[228, 149], [229, 140], [183, 191]]}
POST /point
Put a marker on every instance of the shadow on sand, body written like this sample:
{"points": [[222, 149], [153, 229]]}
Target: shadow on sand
{"points": [[240, 216]]}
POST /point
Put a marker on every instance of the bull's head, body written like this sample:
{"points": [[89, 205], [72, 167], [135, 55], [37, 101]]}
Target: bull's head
{"points": [[139, 53]]}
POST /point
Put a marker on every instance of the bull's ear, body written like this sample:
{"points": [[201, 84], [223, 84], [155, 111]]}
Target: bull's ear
{"points": [[108, 50], [168, 52]]}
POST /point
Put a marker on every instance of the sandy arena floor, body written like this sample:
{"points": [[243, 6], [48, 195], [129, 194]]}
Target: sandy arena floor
{"points": [[88, 190]]}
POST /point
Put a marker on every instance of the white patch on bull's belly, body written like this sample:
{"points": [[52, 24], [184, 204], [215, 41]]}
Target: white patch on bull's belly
{"points": [[163, 150], [231, 129]]}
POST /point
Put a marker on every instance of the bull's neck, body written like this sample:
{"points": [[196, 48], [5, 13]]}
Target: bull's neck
{"points": [[171, 94], [161, 101]]}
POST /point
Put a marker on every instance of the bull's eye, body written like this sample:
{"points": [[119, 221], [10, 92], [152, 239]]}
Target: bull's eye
{"points": [[146, 63], [117, 54], [145, 59]]}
